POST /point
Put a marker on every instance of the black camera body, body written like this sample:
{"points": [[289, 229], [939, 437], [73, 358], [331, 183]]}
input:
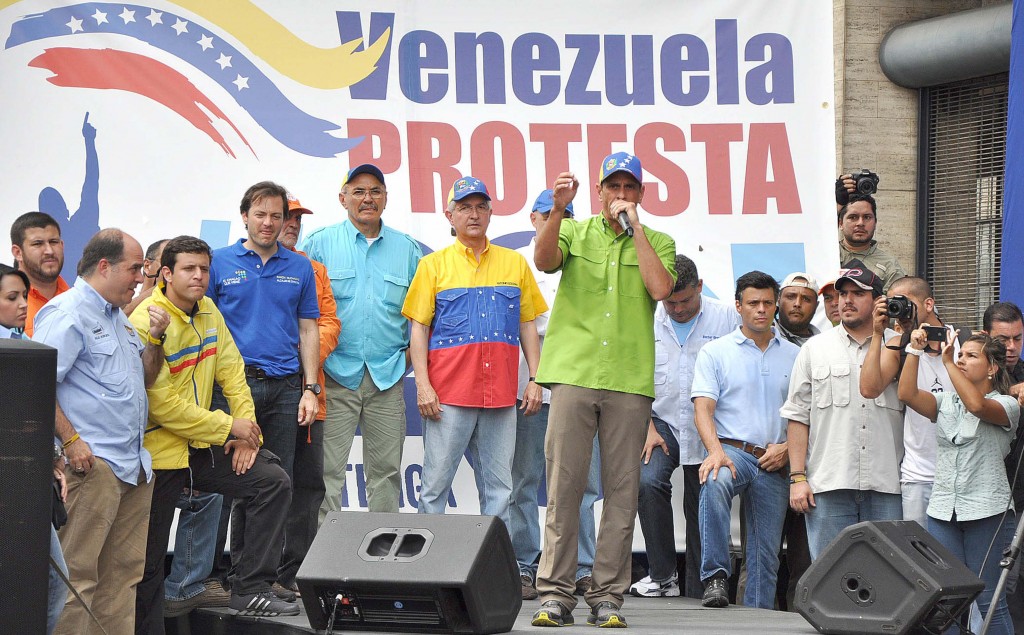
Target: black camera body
{"points": [[900, 307], [866, 182], [936, 334]]}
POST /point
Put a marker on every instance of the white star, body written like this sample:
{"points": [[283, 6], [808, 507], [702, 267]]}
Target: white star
{"points": [[495, 332], [100, 17], [206, 42], [127, 16], [180, 26], [224, 61], [75, 25], [460, 339], [155, 17], [450, 340], [241, 82], [472, 337]]}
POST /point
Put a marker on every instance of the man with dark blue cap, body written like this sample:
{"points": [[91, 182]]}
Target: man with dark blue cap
{"points": [[598, 361], [528, 462]]}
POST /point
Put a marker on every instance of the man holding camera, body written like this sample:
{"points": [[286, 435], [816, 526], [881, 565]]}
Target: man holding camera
{"points": [[844, 450], [857, 223], [911, 303]]}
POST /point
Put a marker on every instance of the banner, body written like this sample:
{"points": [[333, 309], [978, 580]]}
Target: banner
{"points": [[156, 117]]}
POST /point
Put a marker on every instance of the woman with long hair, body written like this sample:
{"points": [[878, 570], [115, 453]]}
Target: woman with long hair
{"points": [[974, 427], [14, 286]]}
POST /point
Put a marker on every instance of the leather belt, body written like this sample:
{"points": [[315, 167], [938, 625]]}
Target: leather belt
{"points": [[255, 372], [755, 451]]}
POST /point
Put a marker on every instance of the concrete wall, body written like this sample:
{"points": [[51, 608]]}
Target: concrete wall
{"points": [[877, 121]]}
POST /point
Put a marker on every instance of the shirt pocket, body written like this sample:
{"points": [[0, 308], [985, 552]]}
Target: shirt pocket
{"points": [[661, 367], [451, 314], [395, 288], [585, 268], [110, 370], [507, 307], [631, 283], [343, 283]]}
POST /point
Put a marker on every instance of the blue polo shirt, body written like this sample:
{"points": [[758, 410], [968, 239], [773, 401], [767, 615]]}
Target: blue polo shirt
{"points": [[369, 282], [262, 305], [100, 383], [748, 385]]}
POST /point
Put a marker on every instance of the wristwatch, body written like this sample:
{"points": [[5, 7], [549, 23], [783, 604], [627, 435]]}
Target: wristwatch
{"points": [[157, 341], [314, 387]]}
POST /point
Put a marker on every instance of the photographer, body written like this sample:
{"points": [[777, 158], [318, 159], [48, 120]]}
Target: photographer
{"points": [[912, 303], [974, 426], [857, 223]]}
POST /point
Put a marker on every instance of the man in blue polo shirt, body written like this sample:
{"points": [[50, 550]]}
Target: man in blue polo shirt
{"points": [[740, 381], [370, 266]]}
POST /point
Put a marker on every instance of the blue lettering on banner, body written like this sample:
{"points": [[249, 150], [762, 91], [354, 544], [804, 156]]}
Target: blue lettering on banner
{"points": [[410, 494], [478, 64]]}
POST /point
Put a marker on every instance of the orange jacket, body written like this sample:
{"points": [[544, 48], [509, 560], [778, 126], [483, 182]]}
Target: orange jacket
{"points": [[329, 326]]}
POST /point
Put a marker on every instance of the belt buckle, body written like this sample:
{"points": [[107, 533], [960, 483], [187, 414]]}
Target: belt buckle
{"points": [[754, 449]]}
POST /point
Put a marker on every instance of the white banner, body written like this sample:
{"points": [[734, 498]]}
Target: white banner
{"points": [[156, 117]]}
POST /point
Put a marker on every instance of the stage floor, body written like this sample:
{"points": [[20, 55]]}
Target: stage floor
{"points": [[645, 616]]}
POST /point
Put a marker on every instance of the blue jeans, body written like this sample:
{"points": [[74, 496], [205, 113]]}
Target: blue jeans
{"points": [[194, 545], [57, 590], [767, 495], [836, 510], [915, 502], [489, 435], [527, 479], [968, 540]]}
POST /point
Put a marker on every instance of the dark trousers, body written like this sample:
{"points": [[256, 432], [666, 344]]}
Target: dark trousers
{"points": [[307, 495], [267, 489]]}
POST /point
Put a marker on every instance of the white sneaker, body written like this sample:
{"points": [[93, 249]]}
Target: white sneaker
{"points": [[648, 588]]}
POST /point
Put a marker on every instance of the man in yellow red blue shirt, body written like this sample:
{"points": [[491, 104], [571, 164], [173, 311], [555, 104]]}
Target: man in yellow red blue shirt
{"points": [[208, 450], [472, 305]]}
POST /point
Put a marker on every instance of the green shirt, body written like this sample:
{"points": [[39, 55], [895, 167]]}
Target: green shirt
{"points": [[601, 330], [881, 262]]}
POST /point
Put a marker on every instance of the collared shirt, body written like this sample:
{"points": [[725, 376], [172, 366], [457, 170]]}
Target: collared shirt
{"points": [[969, 475], [881, 262], [474, 309], [100, 379], [855, 443], [548, 285], [918, 464], [36, 301], [328, 325], [369, 282], [9, 334], [262, 304], [790, 336], [601, 333], [673, 369], [747, 384]]}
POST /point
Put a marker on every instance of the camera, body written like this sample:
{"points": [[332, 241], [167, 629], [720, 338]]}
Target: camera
{"points": [[935, 333], [866, 181], [900, 307]]}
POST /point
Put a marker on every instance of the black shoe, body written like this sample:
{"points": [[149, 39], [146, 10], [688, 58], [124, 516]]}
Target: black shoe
{"points": [[716, 594], [264, 604], [606, 615], [552, 613]]}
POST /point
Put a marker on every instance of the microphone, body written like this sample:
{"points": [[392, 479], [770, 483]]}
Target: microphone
{"points": [[624, 221]]}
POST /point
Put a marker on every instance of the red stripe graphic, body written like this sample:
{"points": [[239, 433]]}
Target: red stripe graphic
{"points": [[194, 360], [107, 69]]}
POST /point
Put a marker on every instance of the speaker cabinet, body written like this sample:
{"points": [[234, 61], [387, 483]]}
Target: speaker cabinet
{"points": [[889, 577], [28, 389], [411, 573]]}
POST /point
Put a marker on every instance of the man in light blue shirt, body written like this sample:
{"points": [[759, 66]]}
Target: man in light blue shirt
{"points": [[103, 367], [740, 382], [683, 324], [370, 266]]}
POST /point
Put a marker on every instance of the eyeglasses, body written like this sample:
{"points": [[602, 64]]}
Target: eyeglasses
{"points": [[374, 193], [479, 208]]}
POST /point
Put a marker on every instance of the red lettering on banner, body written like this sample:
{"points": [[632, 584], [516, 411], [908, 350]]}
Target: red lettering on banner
{"points": [[555, 138], [484, 164], [600, 138], [424, 164], [677, 185], [716, 137], [770, 142], [388, 139]]}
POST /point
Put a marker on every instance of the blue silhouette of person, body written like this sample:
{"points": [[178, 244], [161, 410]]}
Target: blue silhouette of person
{"points": [[76, 229]]}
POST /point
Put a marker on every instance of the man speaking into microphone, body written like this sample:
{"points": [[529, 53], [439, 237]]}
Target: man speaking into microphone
{"points": [[598, 360]]}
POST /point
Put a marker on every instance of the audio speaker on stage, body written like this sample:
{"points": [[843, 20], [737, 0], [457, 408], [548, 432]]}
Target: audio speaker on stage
{"points": [[411, 572], [889, 577], [28, 385]]}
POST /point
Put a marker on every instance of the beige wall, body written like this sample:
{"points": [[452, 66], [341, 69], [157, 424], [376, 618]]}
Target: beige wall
{"points": [[876, 120]]}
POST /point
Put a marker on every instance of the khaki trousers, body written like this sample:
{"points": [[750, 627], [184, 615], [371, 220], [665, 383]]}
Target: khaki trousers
{"points": [[620, 422], [104, 544]]}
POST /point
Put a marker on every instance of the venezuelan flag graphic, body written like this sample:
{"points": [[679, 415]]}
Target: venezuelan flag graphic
{"points": [[192, 355]]}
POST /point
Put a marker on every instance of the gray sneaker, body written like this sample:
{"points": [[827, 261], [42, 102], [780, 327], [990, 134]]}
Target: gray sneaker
{"points": [[606, 615], [264, 604]]}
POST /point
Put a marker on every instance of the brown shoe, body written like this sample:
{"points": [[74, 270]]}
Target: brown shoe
{"points": [[215, 595], [583, 585], [529, 591]]}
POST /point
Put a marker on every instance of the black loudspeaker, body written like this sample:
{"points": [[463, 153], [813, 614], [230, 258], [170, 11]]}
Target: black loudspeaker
{"points": [[888, 577], [411, 573], [28, 385]]}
